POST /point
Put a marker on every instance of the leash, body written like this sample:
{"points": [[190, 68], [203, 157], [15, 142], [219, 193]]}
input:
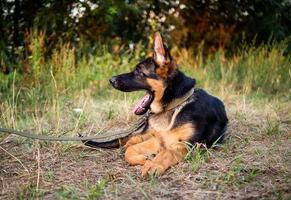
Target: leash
{"points": [[104, 136], [107, 136]]}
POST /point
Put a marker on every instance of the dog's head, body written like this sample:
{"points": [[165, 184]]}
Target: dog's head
{"points": [[152, 75]]}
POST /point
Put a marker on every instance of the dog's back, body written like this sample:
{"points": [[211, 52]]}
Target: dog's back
{"points": [[208, 115]]}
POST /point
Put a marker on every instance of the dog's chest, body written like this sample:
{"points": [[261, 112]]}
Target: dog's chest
{"points": [[162, 122]]}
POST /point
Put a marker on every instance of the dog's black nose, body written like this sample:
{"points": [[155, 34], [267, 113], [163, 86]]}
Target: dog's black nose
{"points": [[113, 81]]}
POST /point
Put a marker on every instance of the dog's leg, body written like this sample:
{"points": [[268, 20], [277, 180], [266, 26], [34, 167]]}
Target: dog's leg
{"points": [[175, 148], [138, 139], [139, 153], [165, 159]]}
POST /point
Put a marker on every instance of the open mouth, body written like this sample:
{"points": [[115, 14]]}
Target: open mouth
{"points": [[143, 104]]}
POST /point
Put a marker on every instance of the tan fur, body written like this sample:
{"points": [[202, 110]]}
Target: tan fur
{"points": [[138, 154], [159, 88], [164, 160], [139, 138], [168, 146], [180, 134], [166, 69], [163, 72], [161, 121], [173, 151]]}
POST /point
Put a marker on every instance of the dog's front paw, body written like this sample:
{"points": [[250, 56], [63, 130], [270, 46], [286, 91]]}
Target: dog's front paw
{"points": [[152, 167], [133, 140]]}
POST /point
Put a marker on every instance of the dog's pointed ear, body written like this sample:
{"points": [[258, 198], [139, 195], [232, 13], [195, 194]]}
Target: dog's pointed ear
{"points": [[160, 53], [162, 57]]}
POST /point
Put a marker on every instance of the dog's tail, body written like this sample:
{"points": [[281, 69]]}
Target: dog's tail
{"points": [[115, 143]]}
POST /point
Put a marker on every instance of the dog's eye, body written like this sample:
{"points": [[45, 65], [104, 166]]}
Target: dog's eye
{"points": [[142, 74], [139, 73]]}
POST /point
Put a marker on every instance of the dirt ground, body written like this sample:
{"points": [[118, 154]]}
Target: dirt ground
{"points": [[254, 163]]}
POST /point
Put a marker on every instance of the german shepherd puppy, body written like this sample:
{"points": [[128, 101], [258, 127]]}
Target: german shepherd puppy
{"points": [[179, 114]]}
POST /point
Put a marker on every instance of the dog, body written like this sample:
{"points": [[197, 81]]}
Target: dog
{"points": [[179, 114]]}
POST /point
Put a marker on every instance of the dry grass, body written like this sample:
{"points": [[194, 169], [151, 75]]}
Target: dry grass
{"points": [[253, 163], [66, 95]]}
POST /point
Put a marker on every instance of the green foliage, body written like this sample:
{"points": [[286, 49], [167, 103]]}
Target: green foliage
{"points": [[30, 191], [49, 176], [96, 191], [197, 157], [272, 127], [67, 192], [93, 192], [153, 180], [220, 24], [238, 173]]}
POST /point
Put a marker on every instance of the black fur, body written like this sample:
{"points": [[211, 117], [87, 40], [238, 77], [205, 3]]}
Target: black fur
{"points": [[177, 85], [206, 112]]}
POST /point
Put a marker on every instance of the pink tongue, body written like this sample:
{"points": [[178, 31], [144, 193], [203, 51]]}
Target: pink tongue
{"points": [[139, 107]]}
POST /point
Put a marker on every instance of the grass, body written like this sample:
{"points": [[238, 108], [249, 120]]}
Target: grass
{"points": [[197, 157], [272, 127], [97, 190], [29, 191], [66, 94]]}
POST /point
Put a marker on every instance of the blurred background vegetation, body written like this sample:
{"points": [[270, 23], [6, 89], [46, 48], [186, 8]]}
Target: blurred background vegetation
{"points": [[129, 24], [54, 51]]}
